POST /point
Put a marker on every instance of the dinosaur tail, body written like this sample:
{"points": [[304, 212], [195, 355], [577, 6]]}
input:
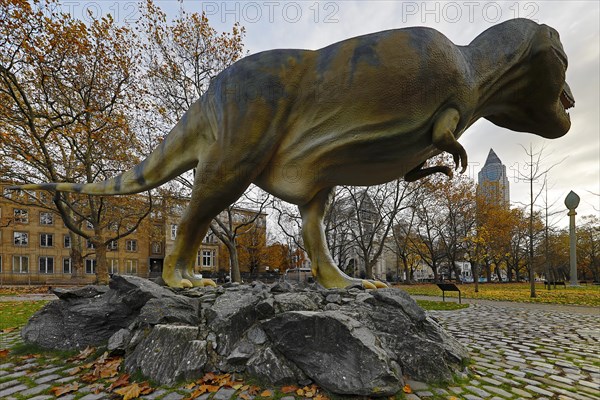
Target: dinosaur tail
{"points": [[170, 159]]}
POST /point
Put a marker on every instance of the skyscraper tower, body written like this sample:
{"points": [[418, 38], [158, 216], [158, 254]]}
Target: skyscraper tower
{"points": [[493, 181]]}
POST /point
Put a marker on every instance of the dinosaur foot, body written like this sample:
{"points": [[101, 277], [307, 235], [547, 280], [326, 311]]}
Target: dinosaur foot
{"points": [[197, 281], [331, 277], [177, 282], [371, 284]]}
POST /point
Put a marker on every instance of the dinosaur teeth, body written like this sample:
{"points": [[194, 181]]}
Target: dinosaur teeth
{"points": [[566, 100]]}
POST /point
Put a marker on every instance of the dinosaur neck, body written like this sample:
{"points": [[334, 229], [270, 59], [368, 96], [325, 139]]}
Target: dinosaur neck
{"points": [[498, 59]]}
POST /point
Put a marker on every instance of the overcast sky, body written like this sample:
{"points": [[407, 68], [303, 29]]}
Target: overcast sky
{"points": [[312, 25]]}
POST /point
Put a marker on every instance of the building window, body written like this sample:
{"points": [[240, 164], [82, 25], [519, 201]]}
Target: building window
{"points": [[46, 265], [113, 266], [21, 216], [131, 267], [206, 258], [156, 248], [46, 218], [21, 238], [173, 231], [131, 245], [67, 241], [46, 240], [67, 265], [210, 238], [113, 245], [90, 266], [90, 244], [21, 264]]}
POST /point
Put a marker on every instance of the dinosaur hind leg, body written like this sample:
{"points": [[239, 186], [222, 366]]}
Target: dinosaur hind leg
{"points": [[212, 192], [323, 267]]}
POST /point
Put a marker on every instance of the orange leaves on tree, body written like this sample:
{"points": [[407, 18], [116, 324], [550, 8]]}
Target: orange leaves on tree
{"points": [[60, 390]]}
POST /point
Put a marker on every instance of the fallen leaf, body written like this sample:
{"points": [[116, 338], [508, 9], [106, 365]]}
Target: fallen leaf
{"points": [[110, 368], [60, 390], [289, 389], [213, 388], [9, 330], [4, 353], [89, 378], [244, 396], [74, 371], [84, 354], [146, 388], [96, 388], [321, 397], [237, 386], [253, 390], [129, 392], [300, 392], [266, 393], [309, 394], [407, 389], [190, 386], [123, 380]]}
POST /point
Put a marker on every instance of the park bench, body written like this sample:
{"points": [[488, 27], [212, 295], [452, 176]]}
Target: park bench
{"points": [[555, 283], [449, 287]]}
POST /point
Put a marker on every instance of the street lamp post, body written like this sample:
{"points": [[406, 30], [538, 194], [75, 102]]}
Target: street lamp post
{"points": [[572, 201]]}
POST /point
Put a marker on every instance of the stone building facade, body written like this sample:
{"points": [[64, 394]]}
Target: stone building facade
{"points": [[35, 244]]}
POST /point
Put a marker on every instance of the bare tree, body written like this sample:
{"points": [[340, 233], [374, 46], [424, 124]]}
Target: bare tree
{"points": [[535, 172], [238, 220], [68, 92]]}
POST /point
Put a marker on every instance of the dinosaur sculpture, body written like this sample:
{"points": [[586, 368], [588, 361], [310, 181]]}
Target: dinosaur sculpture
{"points": [[363, 111]]}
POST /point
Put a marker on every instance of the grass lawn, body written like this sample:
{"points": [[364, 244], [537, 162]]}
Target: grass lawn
{"points": [[14, 314], [439, 305], [584, 296]]}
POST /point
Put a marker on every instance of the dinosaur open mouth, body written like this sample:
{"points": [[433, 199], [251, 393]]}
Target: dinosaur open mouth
{"points": [[567, 99]]}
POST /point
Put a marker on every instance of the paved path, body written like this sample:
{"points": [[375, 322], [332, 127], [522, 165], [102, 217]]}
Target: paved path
{"points": [[518, 352]]}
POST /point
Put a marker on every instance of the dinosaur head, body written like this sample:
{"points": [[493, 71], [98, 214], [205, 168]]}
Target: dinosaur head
{"points": [[537, 102]]}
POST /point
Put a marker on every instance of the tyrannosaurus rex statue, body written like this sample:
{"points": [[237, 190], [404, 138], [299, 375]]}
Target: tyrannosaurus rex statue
{"points": [[363, 111]]}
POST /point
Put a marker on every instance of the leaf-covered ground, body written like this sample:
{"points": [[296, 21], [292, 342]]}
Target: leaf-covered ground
{"points": [[585, 295], [21, 290]]}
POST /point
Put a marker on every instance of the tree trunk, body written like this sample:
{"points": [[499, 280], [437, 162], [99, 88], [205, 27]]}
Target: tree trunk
{"points": [[475, 273], [236, 276], [76, 256], [488, 272], [102, 277], [435, 273], [498, 273], [407, 274]]}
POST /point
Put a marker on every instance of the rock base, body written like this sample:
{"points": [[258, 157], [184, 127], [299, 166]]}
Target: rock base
{"points": [[349, 342]]}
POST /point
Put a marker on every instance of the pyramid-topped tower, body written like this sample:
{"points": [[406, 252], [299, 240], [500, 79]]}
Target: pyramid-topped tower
{"points": [[493, 181]]}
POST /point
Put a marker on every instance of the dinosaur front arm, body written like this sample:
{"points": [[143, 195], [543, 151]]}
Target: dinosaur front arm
{"points": [[443, 139]]}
